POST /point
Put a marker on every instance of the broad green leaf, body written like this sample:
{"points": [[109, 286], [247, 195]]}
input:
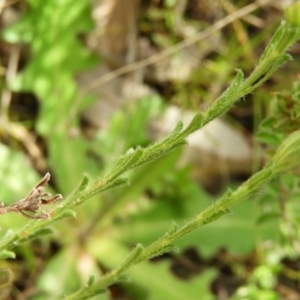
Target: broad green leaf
{"points": [[269, 138]]}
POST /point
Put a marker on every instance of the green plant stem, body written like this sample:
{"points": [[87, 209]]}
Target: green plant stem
{"points": [[287, 156], [272, 58], [213, 212]]}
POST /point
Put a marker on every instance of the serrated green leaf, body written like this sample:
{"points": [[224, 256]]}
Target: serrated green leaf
{"points": [[91, 281], [55, 279], [131, 258], [67, 154]]}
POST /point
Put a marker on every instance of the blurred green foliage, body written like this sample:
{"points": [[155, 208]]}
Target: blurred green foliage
{"points": [[278, 201], [51, 28], [160, 193]]}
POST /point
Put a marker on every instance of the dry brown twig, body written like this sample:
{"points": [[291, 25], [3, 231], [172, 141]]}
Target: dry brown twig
{"points": [[33, 202]]}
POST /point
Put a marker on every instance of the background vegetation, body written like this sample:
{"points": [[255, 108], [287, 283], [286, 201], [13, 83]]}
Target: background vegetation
{"points": [[252, 253]]}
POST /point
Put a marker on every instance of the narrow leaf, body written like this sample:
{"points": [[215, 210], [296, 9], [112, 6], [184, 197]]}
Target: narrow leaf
{"points": [[82, 185], [64, 214], [216, 216], [5, 254], [132, 257], [166, 249], [194, 125], [125, 162], [173, 228], [35, 235]]}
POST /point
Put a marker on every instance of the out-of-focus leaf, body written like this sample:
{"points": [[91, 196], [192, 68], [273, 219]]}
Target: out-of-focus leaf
{"points": [[237, 232], [60, 275], [7, 254], [6, 278], [266, 217], [68, 160], [16, 175], [269, 138], [39, 233]]}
